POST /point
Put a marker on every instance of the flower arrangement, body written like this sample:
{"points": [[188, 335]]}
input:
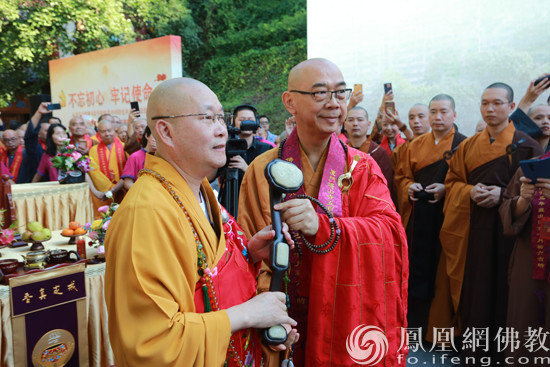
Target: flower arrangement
{"points": [[7, 235], [70, 159], [98, 228]]}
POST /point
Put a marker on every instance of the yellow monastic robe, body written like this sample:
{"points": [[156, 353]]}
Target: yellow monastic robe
{"points": [[471, 154], [151, 273], [101, 181], [415, 155], [403, 205]]}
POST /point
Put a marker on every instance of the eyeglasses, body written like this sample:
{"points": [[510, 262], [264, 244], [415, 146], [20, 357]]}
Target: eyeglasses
{"points": [[326, 95], [496, 104], [206, 117], [11, 140]]}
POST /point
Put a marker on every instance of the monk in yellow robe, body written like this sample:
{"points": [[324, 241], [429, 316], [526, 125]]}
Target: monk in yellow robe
{"points": [[420, 125], [474, 249], [423, 167], [107, 161], [180, 275]]}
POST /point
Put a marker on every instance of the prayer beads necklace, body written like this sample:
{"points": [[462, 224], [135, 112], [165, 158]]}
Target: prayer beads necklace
{"points": [[202, 266], [334, 230]]}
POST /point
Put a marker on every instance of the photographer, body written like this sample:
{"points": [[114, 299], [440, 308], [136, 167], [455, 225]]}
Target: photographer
{"points": [[254, 147], [241, 149]]}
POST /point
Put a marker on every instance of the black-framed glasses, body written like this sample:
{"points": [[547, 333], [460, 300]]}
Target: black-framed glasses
{"points": [[326, 95], [206, 117]]}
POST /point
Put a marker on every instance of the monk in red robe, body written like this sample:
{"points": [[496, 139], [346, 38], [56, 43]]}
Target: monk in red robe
{"points": [[475, 251], [350, 270], [14, 154], [423, 167], [357, 125]]}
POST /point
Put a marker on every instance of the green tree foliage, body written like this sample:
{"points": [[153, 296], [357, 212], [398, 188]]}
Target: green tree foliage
{"points": [[242, 49], [34, 31], [248, 48]]}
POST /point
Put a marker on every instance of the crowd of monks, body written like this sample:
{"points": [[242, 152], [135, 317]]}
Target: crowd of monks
{"points": [[116, 151], [451, 259], [449, 189]]}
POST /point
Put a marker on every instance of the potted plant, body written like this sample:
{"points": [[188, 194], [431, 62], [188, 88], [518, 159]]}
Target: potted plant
{"points": [[71, 164]]}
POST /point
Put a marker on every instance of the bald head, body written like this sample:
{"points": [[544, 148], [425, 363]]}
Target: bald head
{"points": [[77, 127], [302, 74], [480, 126], [170, 96], [321, 114], [11, 140], [192, 143], [106, 131]]}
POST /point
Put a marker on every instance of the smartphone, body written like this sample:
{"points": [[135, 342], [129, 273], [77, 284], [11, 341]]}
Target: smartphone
{"points": [[390, 106], [54, 106], [387, 88], [423, 195], [357, 88], [134, 106], [536, 168], [541, 79]]}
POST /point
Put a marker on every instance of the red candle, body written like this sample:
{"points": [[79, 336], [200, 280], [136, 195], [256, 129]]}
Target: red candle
{"points": [[81, 247]]}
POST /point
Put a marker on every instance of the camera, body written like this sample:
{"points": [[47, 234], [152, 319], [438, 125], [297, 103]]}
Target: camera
{"points": [[234, 145], [229, 185]]}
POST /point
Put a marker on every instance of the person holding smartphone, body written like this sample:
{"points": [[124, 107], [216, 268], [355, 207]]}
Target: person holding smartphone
{"points": [[525, 214], [520, 116], [79, 138], [389, 125], [35, 141]]}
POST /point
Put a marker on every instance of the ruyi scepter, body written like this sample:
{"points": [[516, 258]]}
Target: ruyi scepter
{"points": [[283, 178]]}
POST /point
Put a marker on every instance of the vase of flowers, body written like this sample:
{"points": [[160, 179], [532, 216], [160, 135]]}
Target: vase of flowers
{"points": [[98, 228], [70, 164], [7, 235]]}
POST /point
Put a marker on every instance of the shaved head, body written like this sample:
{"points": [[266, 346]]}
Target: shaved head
{"points": [[186, 141], [11, 140], [316, 120], [168, 98], [306, 71], [105, 122]]}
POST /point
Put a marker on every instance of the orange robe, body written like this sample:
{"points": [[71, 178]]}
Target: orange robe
{"points": [[401, 202], [381, 157], [155, 315], [105, 171], [423, 161], [476, 160], [363, 280]]}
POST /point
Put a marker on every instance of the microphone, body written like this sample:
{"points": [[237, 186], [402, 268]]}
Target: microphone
{"points": [[283, 178]]}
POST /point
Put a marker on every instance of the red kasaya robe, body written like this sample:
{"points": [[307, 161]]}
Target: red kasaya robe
{"points": [[362, 281], [15, 164]]}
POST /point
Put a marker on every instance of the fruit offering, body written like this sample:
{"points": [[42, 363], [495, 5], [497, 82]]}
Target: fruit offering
{"points": [[74, 229], [35, 232]]}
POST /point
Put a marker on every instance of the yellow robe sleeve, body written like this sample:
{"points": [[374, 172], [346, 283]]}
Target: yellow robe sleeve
{"points": [[456, 225], [151, 272]]}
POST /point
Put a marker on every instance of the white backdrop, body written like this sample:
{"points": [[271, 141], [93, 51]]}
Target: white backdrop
{"points": [[429, 47]]}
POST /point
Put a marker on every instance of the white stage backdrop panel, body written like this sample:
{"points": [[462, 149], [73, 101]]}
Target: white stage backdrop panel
{"points": [[427, 47]]}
